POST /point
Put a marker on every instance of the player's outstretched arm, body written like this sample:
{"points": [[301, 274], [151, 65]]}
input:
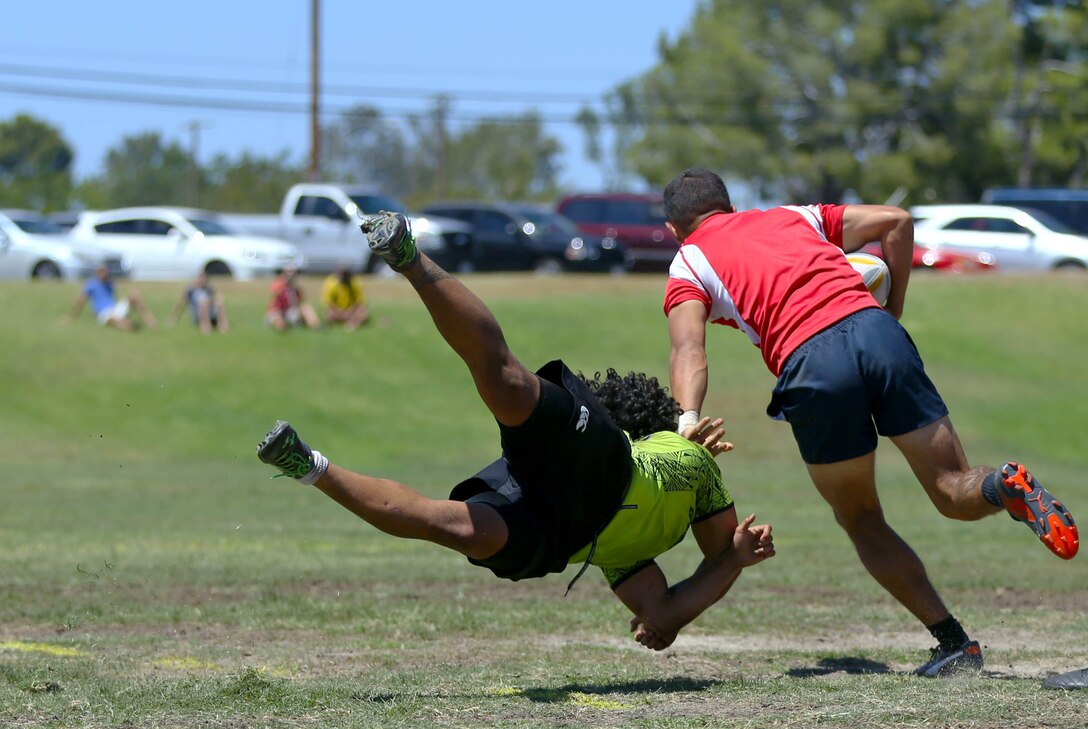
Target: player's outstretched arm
{"points": [[687, 356], [661, 612]]}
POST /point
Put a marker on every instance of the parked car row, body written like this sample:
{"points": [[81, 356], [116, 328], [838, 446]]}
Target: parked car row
{"points": [[317, 230], [510, 236], [322, 221], [635, 221]]}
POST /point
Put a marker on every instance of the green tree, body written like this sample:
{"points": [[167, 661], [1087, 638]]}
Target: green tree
{"points": [[809, 99], [427, 158], [364, 147], [503, 158], [508, 159], [1050, 93], [250, 183], [35, 165], [145, 170]]}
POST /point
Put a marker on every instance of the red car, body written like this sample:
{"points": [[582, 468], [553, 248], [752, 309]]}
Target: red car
{"points": [[635, 220], [944, 259]]}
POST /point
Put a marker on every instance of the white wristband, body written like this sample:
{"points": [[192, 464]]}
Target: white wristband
{"points": [[688, 419]]}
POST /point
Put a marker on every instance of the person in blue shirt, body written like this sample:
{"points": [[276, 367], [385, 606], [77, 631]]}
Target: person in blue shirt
{"points": [[110, 310]]}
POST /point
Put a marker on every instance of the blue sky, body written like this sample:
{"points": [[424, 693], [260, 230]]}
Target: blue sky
{"points": [[491, 57]]}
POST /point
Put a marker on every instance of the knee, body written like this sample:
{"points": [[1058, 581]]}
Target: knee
{"points": [[946, 506], [862, 524], [954, 498]]}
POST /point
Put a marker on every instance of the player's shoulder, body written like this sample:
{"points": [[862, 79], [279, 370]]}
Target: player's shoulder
{"points": [[667, 441]]}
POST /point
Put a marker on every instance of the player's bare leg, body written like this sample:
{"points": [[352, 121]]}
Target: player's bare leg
{"points": [[506, 386], [474, 530], [961, 492], [938, 461], [849, 487]]}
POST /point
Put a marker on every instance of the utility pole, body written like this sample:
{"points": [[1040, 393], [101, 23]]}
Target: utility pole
{"points": [[315, 86], [194, 165]]}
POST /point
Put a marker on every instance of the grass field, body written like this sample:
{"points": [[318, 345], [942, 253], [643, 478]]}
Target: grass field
{"points": [[151, 574]]}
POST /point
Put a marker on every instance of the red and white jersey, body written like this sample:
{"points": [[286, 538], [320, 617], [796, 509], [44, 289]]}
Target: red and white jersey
{"points": [[778, 275]]}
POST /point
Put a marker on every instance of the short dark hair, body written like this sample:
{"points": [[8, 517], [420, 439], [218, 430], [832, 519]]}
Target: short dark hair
{"points": [[637, 403], [694, 192]]}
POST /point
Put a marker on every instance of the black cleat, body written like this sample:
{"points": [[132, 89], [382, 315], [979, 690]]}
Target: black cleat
{"points": [[967, 659], [390, 237], [283, 449]]}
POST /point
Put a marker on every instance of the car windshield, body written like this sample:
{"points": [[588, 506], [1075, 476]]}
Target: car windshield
{"points": [[547, 221], [210, 227], [38, 226], [1050, 221], [371, 204]]}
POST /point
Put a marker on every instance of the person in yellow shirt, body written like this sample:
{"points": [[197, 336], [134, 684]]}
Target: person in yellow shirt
{"points": [[344, 300]]}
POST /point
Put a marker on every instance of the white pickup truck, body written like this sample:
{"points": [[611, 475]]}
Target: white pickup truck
{"points": [[322, 220]]}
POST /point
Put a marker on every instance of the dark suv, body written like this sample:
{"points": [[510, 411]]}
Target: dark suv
{"points": [[1068, 206], [636, 220], [526, 237]]}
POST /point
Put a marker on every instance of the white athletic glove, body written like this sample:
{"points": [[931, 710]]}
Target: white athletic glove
{"points": [[688, 419]]}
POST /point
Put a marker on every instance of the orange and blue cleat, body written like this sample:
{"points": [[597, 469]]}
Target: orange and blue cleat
{"points": [[1026, 500]]}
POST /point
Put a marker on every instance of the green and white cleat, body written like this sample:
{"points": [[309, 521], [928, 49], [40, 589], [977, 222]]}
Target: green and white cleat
{"points": [[283, 449], [390, 238]]}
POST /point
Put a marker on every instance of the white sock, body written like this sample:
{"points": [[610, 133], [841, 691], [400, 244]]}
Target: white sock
{"points": [[321, 464]]}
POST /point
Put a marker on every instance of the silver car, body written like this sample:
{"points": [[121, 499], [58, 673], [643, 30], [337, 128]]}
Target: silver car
{"points": [[166, 243], [1018, 240], [33, 248]]}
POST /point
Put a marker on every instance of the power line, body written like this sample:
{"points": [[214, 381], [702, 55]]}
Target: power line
{"points": [[243, 105], [505, 71], [287, 87]]}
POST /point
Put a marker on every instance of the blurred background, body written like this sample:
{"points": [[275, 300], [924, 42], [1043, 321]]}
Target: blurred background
{"points": [[210, 103], [225, 106]]}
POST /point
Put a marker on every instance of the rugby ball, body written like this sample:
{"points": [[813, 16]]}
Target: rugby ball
{"points": [[874, 272]]}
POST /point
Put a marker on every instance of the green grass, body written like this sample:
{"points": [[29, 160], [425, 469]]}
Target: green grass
{"points": [[151, 574]]}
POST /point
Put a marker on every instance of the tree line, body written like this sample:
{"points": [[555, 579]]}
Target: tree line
{"points": [[800, 100]]}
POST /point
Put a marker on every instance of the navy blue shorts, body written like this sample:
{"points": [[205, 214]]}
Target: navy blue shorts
{"points": [[857, 378]]}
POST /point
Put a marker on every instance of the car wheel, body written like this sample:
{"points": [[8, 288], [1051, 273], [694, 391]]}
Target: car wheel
{"points": [[46, 270], [547, 266], [1070, 266], [217, 268]]}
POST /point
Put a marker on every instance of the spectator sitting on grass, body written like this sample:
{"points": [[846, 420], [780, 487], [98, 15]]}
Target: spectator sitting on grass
{"points": [[110, 310], [207, 307], [288, 306], [344, 300]]}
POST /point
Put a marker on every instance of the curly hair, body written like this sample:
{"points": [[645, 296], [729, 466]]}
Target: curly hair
{"points": [[637, 403]]}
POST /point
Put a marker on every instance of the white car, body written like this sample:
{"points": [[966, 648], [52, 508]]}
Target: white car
{"points": [[33, 248], [1018, 240], [164, 243]]}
